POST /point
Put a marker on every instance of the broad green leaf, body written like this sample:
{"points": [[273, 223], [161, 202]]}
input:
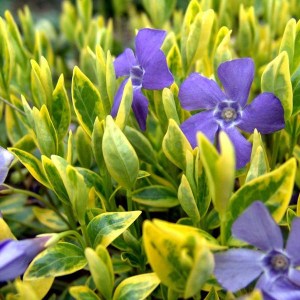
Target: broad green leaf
{"points": [[141, 145], [5, 232], [60, 109], [120, 157], [296, 57], [82, 292], [45, 131], [220, 182], [274, 189], [175, 145], [50, 219], [106, 227], [59, 260], [156, 196], [86, 101], [101, 268], [83, 147], [32, 164], [137, 287], [174, 61], [187, 200], [276, 79], [125, 105], [54, 178], [178, 255], [85, 8]]}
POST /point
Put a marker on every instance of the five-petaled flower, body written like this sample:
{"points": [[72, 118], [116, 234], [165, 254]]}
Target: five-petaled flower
{"points": [[227, 110], [6, 159], [15, 256], [147, 69], [274, 265]]}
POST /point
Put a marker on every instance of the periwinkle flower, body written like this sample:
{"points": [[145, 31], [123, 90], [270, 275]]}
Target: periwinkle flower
{"points": [[274, 265], [6, 159], [226, 110], [15, 256], [147, 69]]}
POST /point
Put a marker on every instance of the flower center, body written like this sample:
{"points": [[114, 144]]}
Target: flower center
{"points": [[280, 262], [136, 75], [227, 113]]}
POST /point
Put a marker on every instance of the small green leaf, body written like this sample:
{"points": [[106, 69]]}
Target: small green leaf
{"points": [[119, 155], [83, 147], [32, 164], [137, 287], [276, 79], [82, 292], [106, 227], [101, 268], [175, 145], [58, 260], [86, 100], [156, 196]]}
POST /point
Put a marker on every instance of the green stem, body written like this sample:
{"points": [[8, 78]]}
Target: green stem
{"points": [[12, 106], [74, 233], [70, 216], [222, 232], [85, 235], [275, 148]]}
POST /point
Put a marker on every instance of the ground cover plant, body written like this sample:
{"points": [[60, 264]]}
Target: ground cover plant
{"points": [[150, 150]]}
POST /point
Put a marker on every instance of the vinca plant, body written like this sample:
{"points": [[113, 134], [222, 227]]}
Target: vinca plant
{"points": [[151, 151]]}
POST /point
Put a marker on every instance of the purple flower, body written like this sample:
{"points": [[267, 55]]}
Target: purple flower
{"points": [[147, 69], [6, 159], [15, 256], [227, 110], [274, 265]]}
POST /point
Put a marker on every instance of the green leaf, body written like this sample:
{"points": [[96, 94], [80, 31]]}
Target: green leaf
{"points": [[85, 8], [175, 145], [60, 109], [119, 155], [58, 260], [55, 180], [50, 219], [86, 100], [276, 79], [178, 255], [141, 145], [45, 131], [106, 227], [169, 105], [32, 164], [101, 268], [156, 196], [125, 105], [97, 137], [137, 287], [83, 147], [220, 183], [187, 200], [82, 292], [274, 189]]}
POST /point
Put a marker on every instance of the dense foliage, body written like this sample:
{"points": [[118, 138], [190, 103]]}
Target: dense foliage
{"points": [[151, 151]]}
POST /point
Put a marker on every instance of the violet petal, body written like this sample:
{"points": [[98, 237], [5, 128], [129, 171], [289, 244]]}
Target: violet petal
{"points": [[294, 276], [157, 74], [140, 108], [203, 122], [237, 76], [256, 227], [236, 268], [199, 92], [293, 245], [118, 98], [124, 62], [265, 113], [147, 43], [15, 256], [241, 146]]}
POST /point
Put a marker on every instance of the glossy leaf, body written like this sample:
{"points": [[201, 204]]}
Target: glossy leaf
{"points": [[137, 287], [105, 228], [119, 155], [61, 259], [82, 292]]}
